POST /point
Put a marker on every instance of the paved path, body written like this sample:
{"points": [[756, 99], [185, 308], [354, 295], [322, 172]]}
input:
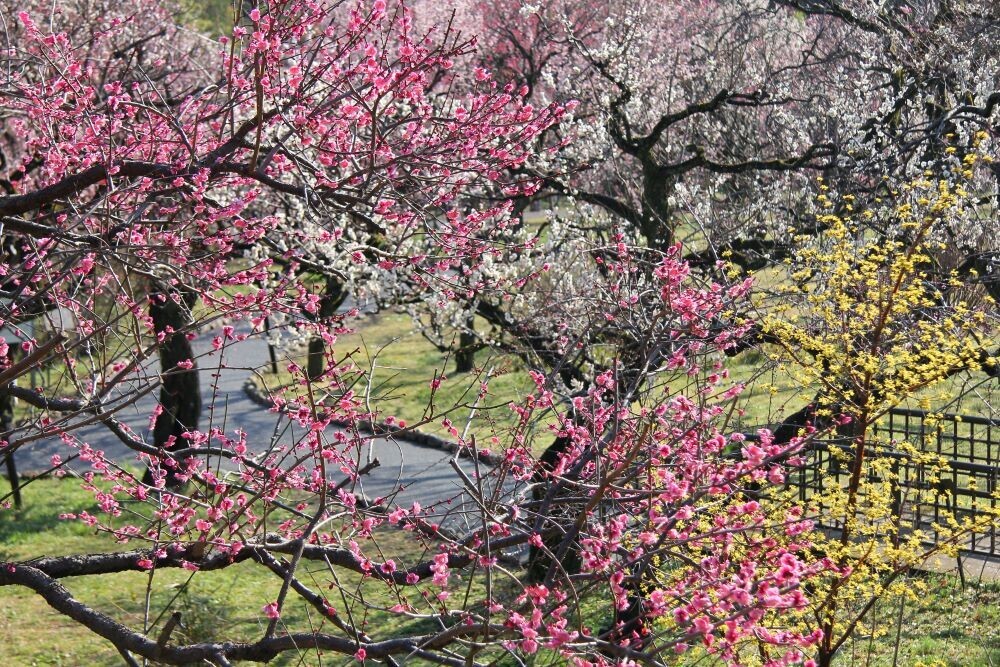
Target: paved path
{"points": [[413, 472]]}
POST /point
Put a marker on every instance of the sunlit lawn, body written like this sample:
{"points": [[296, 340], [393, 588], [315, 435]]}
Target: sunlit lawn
{"points": [[216, 605], [399, 364], [948, 626]]}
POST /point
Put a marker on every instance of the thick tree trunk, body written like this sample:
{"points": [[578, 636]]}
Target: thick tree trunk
{"points": [[630, 624], [316, 358], [465, 355], [657, 217], [333, 297], [539, 560], [270, 346], [180, 395]]}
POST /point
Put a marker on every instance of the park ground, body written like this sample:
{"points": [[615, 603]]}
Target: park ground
{"points": [[947, 626]]}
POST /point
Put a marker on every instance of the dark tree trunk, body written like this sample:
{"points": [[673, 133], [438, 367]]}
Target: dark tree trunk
{"points": [[657, 217], [180, 395], [630, 624], [465, 355], [6, 423], [539, 560], [804, 418], [333, 297], [270, 347], [316, 360], [9, 251]]}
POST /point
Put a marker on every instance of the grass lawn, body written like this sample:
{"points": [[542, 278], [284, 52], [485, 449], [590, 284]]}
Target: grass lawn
{"points": [[222, 604], [399, 364], [948, 627]]}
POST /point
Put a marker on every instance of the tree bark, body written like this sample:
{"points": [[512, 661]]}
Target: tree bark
{"points": [[465, 355], [6, 422], [333, 297], [539, 560], [657, 218], [180, 395]]}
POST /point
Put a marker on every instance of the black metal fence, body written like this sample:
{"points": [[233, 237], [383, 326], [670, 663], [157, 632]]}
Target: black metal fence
{"points": [[961, 483]]}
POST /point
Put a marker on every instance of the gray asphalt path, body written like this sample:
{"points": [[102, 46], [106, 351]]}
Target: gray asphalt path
{"points": [[408, 472]]}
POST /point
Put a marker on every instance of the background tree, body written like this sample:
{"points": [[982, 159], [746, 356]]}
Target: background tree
{"points": [[708, 123]]}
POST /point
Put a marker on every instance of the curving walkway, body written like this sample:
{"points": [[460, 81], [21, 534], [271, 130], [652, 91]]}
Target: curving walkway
{"points": [[409, 472]]}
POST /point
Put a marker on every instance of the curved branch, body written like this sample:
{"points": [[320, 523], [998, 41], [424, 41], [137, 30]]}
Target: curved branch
{"points": [[264, 650], [60, 567]]}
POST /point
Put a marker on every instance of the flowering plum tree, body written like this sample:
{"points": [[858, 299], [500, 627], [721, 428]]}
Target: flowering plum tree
{"points": [[686, 109], [705, 110], [708, 121], [152, 192]]}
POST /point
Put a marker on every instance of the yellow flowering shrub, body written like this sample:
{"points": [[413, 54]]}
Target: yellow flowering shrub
{"points": [[872, 315]]}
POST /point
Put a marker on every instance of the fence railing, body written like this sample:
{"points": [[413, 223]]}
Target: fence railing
{"points": [[962, 483]]}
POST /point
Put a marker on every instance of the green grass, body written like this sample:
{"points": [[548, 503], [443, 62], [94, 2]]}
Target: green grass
{"points": [[398, 364], [947, 626], [223, 604], [33, 634], [773, 392], [212, 17]]}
